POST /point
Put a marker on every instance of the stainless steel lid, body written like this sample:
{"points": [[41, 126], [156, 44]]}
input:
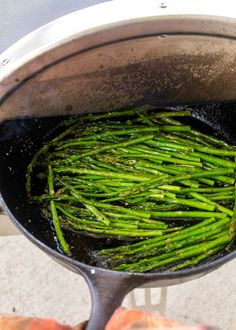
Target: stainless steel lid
{"points": [[121, 53]]}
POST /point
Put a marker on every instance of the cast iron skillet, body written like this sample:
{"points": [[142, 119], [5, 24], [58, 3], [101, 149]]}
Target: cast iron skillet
{"points": [[19, 139]]}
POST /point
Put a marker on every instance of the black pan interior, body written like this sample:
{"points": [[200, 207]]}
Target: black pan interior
{"points": [[19, 139]]}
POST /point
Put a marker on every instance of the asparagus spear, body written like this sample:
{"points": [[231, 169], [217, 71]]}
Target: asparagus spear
{"points": [[64, 245], [181, 254]]}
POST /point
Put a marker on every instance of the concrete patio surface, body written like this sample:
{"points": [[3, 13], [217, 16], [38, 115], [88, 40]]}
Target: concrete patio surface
{"points": [[32, 284]]}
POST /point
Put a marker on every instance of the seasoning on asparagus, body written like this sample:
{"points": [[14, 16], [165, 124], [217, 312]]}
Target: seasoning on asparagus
{"points": [[139, 175]]}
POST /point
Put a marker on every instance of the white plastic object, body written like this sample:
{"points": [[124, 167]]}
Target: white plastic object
{"points": [[145, 299]]}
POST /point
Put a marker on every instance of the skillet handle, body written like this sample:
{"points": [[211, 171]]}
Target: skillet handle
{"points": [[107, 291]]}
